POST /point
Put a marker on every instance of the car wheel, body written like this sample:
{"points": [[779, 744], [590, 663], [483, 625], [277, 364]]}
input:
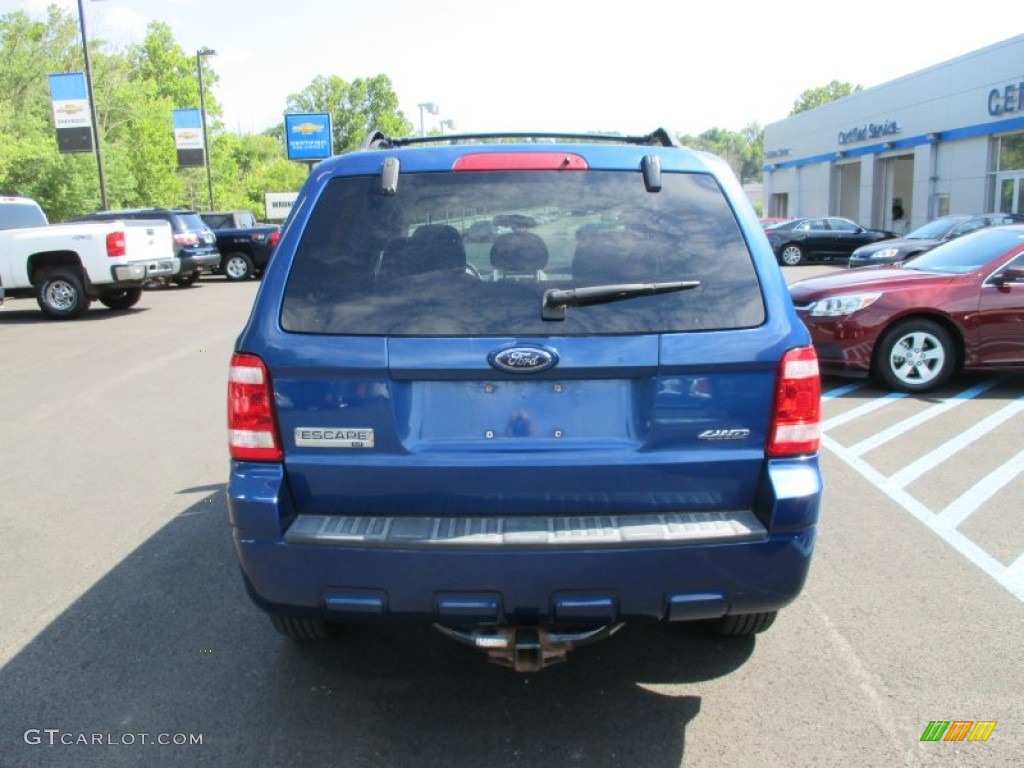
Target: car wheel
{"points": [[302, 628], [237, 266], [122, 298], [744, 623], [791, 255], [61, 295], [915, 355], [186, 281]]}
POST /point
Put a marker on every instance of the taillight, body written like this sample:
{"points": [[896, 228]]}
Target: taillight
{"points": [[274, 237], [115, 245], [796, 418], [521, 161], [252, 430], [186, 238]]}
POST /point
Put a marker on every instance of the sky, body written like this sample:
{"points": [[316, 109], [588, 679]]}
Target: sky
{"points": [[559, 65]]}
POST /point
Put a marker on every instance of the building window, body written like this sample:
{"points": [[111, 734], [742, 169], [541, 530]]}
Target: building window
{"points": [[779, 205], [1010, 153]]}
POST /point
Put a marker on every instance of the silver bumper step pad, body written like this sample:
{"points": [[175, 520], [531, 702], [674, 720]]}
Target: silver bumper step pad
{"points": [[555, 532]]}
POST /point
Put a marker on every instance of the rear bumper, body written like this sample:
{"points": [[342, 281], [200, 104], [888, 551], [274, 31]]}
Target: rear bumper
{"points": [[143, 270], [207, 262], [600, 583]]}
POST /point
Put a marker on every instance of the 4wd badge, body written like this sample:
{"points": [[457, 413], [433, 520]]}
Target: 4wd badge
{"points": [[523, 359]]}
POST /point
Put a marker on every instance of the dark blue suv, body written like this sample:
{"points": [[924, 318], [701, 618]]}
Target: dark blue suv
{"points": [[598, 408]]}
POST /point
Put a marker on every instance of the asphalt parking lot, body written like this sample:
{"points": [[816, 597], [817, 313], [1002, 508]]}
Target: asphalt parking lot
{"points": [[126, 624]]}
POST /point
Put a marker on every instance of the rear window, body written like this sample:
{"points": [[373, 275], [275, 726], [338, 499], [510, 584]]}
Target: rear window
{"points": [[471, 254], [20, 215], [218, 220], [192, 222]]}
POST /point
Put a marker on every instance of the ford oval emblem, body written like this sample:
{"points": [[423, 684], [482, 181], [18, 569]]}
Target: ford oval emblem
{"points": [[523, 359]]}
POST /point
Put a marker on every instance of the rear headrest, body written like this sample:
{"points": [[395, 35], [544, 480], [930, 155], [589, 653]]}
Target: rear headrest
{"points": [[397, 259], [519, 252], [614, 257], [438, 247]]}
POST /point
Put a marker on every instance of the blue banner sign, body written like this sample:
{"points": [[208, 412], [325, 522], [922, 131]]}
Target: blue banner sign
{"points": [[71, 114], [308, 136], [188, 137]]}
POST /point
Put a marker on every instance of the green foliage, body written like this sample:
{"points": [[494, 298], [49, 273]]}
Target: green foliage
{"points": [[356, 108], [743, 151], [815, 97], [136, 91], [247, 168]]}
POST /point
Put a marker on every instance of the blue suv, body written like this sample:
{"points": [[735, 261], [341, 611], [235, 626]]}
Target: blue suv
{"points": [[600, 407]]}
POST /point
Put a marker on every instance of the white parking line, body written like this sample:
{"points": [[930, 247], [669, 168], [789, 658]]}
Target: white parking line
{"points": [[980, 492], [880, 438], [1011, 579], [843, 390], [1016, 569], [862, 410], [929, 461]]}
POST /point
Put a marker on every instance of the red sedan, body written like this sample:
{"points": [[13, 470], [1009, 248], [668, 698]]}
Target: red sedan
{"points": [[912, 325]]}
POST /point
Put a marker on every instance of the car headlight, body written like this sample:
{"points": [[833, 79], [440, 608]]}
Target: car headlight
{"points": [[838, 306], [885, 253]]}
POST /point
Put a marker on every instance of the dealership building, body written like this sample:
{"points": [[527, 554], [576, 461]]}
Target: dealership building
{"points": [[947, 139]]}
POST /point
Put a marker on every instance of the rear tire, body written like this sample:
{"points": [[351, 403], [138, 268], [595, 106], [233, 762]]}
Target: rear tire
{"points": [[61, 295], [237, 266], [122, 298], [741, 624], [791, 255], [300, 628], [186, 281]]}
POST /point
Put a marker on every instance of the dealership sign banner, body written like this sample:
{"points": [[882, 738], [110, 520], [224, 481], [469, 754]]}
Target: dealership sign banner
{"points": [[188, 138], [308, 136], [71, 114], [279, 204]]}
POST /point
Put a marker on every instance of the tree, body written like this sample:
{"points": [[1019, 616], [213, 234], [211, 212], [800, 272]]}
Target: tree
{"points": [[251, 166], [356, 108], [815, 97], [29, 161], [743, 151]]}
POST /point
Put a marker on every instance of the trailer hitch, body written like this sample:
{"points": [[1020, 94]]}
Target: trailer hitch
{"points": [[527, 648]]}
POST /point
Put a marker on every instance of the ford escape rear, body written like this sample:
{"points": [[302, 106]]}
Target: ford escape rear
{"points": [[604, 410]]}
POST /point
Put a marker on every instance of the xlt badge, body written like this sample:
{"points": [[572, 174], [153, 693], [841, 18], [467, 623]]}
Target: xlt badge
{"points": [[326, 437]]}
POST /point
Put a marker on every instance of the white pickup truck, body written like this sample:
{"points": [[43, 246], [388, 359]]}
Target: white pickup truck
{"points": [[66, 266]]}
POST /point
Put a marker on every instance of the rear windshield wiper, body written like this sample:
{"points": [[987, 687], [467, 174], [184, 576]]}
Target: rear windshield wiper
{"points": [[555, 301]]}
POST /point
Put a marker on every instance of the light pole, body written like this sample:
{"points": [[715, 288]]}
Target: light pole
{"points": [[202, 108], [92, 107], [449, 124], [429, 106]]}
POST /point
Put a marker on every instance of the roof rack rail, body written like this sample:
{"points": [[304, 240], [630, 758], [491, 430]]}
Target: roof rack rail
{"points": [[378, 140]]}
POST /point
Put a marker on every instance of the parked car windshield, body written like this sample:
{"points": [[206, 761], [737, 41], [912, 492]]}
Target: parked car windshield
{"points": [[933, 230], [372, 264], [967, 254]]}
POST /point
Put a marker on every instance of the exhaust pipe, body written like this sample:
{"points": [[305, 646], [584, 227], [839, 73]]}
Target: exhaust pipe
{"points": [[526, 649]]}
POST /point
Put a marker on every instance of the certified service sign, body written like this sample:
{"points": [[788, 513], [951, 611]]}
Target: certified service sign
{"points": [[308, 136]]}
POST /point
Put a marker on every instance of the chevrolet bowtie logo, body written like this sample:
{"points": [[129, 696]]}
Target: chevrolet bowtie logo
{"points": [[307, 128]]}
